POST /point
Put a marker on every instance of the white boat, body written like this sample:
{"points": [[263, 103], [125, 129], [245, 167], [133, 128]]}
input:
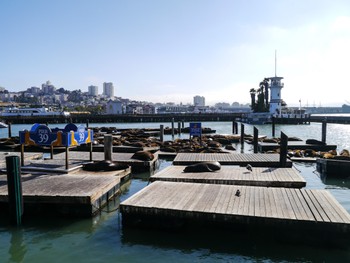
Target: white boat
{"points": [[14, 111]]}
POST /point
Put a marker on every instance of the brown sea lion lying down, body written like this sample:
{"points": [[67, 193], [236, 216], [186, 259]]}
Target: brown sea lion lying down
{"points": [[202, 167], [104, 166]]}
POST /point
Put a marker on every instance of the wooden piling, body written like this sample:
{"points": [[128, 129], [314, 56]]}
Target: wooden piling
{"points": [[324, 130], [179, 128], [108, 146], [172, 127], [273, 126], [242, 133], [161, 135], [90, 149], [233, 127], [51, 152], [9, 130], [283, 150], [255, 139], [14, 186], [22, 154], [87, 123], [67, 157]]}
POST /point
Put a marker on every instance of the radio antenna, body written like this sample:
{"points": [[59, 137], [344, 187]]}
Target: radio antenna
{"points": [[275, 63]]}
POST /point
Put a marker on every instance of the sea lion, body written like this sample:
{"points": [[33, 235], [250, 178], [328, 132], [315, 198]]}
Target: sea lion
{"points": [[344, 152], [143, 156], [104, 165], [230, 147], [202, 167]]}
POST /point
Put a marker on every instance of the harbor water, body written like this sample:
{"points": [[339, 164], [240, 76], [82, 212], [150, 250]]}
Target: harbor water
{"points": [[103, 239]]}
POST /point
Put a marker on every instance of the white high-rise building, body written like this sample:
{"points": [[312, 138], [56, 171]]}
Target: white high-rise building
{"points": [[199, 101], [93, 90], [108, 89]]}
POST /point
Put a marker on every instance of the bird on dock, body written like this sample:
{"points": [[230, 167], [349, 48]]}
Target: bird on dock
{"points": [[249, 167], [238, 193]]}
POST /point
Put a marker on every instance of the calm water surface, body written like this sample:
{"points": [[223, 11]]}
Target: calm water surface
{"points": [[102, 238]]}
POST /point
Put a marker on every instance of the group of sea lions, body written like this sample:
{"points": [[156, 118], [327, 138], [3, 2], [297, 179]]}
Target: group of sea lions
{"points": [[332, 154], [140, 138]]}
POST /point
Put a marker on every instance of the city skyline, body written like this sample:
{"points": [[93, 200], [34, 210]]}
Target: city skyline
{"points": [[171, 51]]}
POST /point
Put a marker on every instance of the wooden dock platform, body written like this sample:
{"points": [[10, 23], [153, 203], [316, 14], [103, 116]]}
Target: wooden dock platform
{"points": [[27, 157], [255, 160], [295, 145], [235, 175], [121, 149], [77, 194], [333, 168], [315, 212], [125, 158]]}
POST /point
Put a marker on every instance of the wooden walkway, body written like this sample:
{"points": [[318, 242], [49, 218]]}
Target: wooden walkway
{"points": [[257, 160], [80, 193], [235, 175], [299, 209]]}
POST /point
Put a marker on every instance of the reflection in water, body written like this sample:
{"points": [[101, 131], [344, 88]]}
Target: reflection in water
{"points": [[331, 180], [17, 248], [242, 244]]}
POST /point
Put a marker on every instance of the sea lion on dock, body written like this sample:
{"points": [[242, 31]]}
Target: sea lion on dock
{"points": [[104, 165], [202, 167], [143, 156]]}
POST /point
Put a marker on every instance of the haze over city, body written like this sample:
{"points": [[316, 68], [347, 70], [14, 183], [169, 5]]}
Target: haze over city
{"points": [[162, 51]]}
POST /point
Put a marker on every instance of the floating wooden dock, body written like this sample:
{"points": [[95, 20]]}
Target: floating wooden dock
{"points": [[124, 158], [256, 160], [121, 149], [333, 168], [27, 157], [235, 175], [295, 145], [81, 193], [191, 204]]}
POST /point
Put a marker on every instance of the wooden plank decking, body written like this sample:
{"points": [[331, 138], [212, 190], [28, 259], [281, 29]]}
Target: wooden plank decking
{"points": [[271, 177], [257, 160], [314, 211], [27, 157], [81, 193]]}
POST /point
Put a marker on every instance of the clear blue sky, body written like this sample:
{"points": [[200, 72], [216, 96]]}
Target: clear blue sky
{"points": [[172, 50]]}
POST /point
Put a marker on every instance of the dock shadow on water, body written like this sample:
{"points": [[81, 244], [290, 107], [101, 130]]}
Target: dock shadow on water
{"points": [[238, 244]]}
